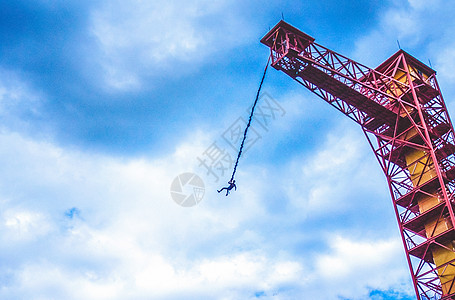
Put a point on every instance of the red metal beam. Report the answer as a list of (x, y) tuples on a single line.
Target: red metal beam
[(404, 118)]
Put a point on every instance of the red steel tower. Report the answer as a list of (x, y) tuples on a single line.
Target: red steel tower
[(400, 109)]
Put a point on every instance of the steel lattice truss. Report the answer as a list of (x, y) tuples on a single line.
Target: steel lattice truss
[(402, 113)]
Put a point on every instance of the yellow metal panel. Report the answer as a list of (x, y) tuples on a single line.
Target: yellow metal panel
[(410, 134), (420, 166), (448, 287), (427, 202), (437, 226), (401, 76), (412, 155), (421, 170), (417, 73), (446, 273)]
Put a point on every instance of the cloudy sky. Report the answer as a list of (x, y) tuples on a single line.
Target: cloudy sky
[(103, 104)]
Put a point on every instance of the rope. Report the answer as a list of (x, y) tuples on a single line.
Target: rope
[(249, 121)]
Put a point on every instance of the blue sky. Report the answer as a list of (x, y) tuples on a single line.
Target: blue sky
[(104, 103)]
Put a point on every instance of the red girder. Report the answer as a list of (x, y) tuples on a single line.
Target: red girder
[(404, 118)]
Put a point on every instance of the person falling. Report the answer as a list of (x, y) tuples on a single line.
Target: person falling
[(229, 188)]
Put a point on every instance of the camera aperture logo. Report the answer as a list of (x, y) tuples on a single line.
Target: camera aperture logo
[(187, 189)]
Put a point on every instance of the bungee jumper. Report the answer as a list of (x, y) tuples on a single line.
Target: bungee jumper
[(229, 188), (232, 181)]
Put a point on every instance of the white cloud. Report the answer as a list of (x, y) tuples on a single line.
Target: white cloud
[(129, 240), (17, 99), (47, 281), (140, 38), (423, 28), (150, 276), (351, 269), (347, 256), (324, 181), (23, 225)]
